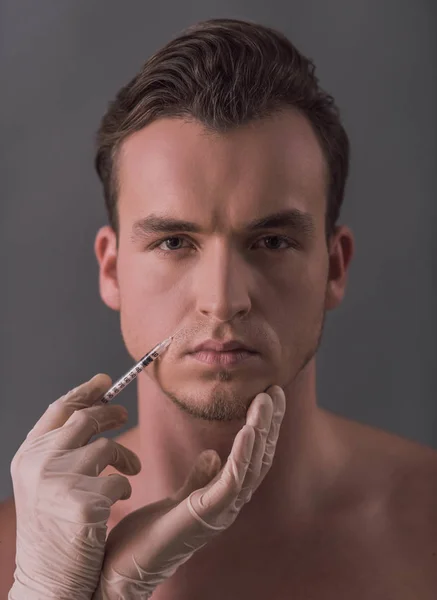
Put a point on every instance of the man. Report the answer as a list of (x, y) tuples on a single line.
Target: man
[(224, 166)]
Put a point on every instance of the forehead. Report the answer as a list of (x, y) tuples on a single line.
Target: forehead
[(178, 167)]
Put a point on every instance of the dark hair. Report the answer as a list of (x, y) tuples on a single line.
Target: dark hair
[(224, 73)]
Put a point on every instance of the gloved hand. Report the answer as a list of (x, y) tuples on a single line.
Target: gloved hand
[(148, 545), (62, 505)]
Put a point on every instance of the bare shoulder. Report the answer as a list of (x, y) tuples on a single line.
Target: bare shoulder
[(412, 475), (7, 546), (410, 469), (403, 461), (403, 470)]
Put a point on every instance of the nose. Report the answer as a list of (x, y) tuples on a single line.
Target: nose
[(222, 286)]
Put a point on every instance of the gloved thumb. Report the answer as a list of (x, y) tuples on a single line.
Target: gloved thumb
[(205, 468)]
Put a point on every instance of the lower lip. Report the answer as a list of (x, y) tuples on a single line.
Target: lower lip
[(222, 358)]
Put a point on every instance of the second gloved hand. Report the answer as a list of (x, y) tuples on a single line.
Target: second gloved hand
[(148, 545)]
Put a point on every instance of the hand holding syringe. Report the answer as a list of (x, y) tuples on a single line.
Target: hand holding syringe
[(61, 502), (63, 505)]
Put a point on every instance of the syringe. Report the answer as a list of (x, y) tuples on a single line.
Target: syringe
[(132, 373)]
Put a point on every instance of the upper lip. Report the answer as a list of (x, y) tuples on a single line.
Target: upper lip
[(222, 346)]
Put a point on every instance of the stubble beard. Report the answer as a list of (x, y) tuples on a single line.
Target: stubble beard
[(224, 404)]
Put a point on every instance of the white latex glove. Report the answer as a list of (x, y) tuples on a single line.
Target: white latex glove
[(62, 505), (148, 545)]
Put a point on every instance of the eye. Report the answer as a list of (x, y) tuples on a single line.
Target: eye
[(290, 244), (168, 250), (281, 238)]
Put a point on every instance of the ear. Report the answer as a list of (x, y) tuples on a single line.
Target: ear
[(105, 248), (341, 250)]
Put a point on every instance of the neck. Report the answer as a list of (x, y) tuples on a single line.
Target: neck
[(168, 440)]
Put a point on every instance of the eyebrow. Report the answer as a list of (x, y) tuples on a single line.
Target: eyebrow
[(293, 219)]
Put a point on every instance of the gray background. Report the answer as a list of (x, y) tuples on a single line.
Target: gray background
[(62, 61)]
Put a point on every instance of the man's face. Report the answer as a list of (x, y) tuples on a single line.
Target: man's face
[(265, 287)]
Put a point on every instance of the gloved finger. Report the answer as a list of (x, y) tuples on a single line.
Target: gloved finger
[(259, 416), (83, 424), (60, 410), (272, 439), (113, 486), (90, 499), (205, 468), (95, 457), (216, 503)]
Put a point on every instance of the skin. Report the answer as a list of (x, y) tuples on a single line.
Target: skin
[(227, 284)]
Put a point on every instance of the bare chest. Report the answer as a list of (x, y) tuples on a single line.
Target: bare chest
[(335, 565), (331, 563)]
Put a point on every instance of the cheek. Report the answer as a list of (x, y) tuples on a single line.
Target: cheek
[(141, 274), (301, 290), (297, 305), (150, 305)]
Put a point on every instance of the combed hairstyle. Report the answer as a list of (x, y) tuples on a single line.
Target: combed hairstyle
[(224, 73)]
